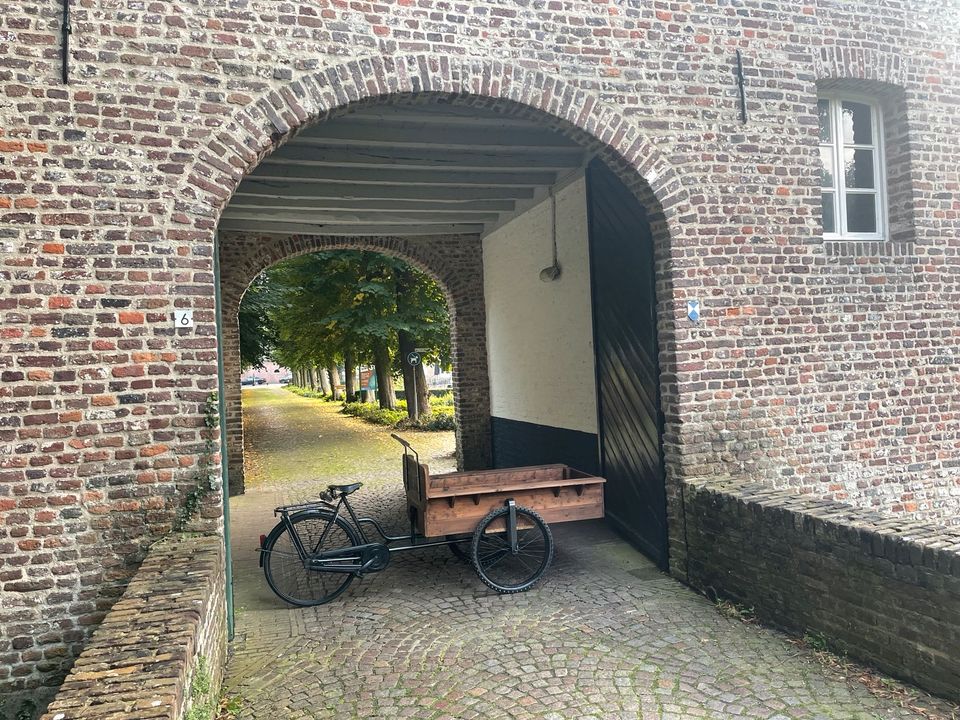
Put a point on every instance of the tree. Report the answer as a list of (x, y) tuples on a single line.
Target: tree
[(354, 307), (257, 334)]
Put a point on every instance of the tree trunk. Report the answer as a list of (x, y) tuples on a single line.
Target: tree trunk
[(312, 378), (324, 383), (423, 392), (381, 364), (334, 380), (413, 378), (349, 368)]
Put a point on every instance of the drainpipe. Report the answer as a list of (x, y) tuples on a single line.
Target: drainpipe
[(224, 470)]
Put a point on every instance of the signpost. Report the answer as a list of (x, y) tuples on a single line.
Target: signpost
[(414, 359)]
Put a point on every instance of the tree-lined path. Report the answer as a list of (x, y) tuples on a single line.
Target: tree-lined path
[(604, 636)]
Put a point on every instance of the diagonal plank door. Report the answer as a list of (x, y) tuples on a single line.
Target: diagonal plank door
[(628, 375)]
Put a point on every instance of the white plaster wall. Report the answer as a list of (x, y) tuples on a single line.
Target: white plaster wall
[(540, 334)]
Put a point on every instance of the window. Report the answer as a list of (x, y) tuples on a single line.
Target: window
[(852, 180)]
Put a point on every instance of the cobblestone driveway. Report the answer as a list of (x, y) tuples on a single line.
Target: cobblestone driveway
[(605, 635)]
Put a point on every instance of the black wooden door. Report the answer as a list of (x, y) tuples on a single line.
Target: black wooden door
[(628, 375)]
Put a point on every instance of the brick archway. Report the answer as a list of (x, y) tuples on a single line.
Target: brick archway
[(263, 126), (449, 260)]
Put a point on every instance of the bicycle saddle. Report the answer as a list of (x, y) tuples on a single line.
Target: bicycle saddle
[(346, 489)]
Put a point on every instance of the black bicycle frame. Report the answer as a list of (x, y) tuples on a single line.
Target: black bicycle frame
[(306, 554)]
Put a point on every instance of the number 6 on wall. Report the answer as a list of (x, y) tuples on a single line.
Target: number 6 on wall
[(183, 318)]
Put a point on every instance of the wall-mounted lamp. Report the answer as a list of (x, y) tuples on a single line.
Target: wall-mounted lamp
[(549, 274)]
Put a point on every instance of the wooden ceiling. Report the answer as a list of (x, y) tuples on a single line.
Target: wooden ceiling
[(404, 170)]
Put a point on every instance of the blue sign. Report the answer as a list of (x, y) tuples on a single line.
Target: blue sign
[(693, 310)]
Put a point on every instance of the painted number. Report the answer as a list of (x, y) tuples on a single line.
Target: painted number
[(183, 318)]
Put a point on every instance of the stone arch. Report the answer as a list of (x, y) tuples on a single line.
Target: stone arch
[(448, 260), (261, 127)]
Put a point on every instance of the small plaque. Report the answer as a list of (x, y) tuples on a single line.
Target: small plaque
[(693, 310), (183, 318)]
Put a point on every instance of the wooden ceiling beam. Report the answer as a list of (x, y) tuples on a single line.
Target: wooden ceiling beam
[(247, 202), (273, 170), (420, 159), (257, 187), (370, 216), (362, 133), (279, 228)]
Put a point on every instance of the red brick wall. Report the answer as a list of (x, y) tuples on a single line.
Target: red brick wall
[(829, 372)]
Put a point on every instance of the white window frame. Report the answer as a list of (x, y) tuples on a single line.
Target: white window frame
[(840, 190)]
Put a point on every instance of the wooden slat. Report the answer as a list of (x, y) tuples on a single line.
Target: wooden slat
[(243, 202), (274, 227), (464, 516), (397, 132), (276, 168), (387, 158), (507, 486), (254, 187), (371, 216)]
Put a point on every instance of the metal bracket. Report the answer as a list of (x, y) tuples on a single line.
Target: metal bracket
[(743, 92), (512, 525)]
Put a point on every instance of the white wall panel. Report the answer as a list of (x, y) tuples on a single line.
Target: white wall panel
[(540, 334)]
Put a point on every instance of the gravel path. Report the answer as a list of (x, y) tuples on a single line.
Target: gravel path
[(605, 635)]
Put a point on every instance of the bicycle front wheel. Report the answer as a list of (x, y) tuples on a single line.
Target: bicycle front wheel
[(497, 564), (286, 571)]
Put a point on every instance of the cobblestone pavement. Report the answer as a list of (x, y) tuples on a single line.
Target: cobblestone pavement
[(605, 635)]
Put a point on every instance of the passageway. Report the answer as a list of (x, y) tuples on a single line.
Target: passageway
[(605, 635)]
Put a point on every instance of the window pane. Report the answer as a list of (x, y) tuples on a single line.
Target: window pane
[(861, 213), (858, 168), (829, 216), (823, 111), (826, 173), (857, 128)]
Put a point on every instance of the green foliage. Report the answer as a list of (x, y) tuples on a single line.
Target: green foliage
[(439, 418), (257, 333), (442, 400), (308, 393), (373, 413), (309, 311), (816, 641), (206, 478), (202, 705)]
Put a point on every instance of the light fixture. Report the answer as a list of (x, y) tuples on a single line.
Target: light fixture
[(549, 274)]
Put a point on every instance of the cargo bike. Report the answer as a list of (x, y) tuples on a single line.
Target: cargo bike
[(496, 519)]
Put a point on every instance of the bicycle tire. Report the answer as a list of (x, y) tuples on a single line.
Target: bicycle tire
[(284, 569), (491, 548)]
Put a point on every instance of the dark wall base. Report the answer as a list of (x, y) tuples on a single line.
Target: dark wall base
[(518, 443)]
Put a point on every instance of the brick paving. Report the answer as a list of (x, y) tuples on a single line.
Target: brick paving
[(605, 635)]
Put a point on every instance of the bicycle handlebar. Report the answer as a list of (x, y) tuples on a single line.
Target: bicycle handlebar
[(401, 441)]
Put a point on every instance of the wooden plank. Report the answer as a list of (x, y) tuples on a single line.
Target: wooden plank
[(254, 187), (243, 201), (508, 485), (463, 517), (520, 477), (275, 168), (424, 132), (437, 114), (393, 158), (274, 227), (371, 216)]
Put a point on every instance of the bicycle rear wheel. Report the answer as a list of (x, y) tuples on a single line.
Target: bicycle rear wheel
[(285, 570)]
